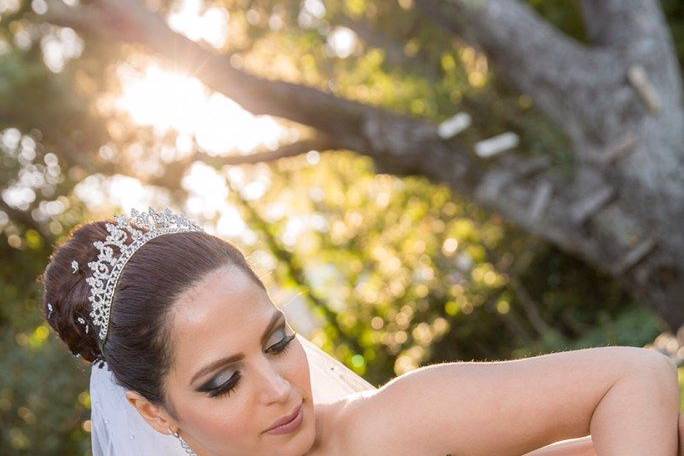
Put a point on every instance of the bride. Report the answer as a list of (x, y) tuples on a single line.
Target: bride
[(190, 356)]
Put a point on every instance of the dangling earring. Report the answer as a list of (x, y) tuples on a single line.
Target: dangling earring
[(183, 443)]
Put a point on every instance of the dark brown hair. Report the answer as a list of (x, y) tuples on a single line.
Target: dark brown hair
[(138, 348)]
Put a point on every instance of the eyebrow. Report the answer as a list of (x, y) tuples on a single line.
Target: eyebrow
[(275, 318)]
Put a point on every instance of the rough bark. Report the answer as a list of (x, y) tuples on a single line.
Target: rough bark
[(618, 100)]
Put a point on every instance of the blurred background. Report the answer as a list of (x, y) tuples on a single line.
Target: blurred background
[(414, 181)]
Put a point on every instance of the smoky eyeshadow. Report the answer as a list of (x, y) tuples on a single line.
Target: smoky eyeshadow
[(212, 385)]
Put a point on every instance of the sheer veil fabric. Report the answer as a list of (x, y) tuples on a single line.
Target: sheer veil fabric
[(118, 429)]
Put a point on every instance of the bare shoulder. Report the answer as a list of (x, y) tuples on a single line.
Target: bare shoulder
[(334, 419), (456, 408), (383, 422)]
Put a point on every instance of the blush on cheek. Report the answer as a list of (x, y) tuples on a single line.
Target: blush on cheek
[(220, 423)]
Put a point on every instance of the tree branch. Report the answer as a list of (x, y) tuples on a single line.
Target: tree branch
[(174, 171), (405, 145), (397, 143), (320, 143), (637, 31), (533, 55), (129, 21), (623, 24)]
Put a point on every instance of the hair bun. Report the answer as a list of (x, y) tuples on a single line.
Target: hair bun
[(65, 290), (139, 337)]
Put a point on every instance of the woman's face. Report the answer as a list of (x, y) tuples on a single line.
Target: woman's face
[(224, 407)]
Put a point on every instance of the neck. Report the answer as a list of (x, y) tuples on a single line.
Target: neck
[(325, 419), (317, 446)]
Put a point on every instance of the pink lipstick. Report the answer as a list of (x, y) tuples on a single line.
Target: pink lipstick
[(289, 424)]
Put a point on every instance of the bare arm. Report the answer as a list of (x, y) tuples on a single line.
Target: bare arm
[(573, 447), (585, 447), (627, 398)]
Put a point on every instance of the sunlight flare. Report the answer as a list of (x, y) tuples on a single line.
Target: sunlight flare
[(167, 100)]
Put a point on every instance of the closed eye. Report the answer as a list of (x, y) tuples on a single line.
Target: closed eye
[(282, 345), (230, 385)]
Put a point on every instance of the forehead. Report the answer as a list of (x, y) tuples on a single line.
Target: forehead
[(219, 316)]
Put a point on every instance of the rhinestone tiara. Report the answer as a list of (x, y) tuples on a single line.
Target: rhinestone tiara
[(107, 269)]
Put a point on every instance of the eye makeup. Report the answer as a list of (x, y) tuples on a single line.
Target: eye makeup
[(223, 383), (276, 318)]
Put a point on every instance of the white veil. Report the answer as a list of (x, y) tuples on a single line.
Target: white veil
[(118, 429)]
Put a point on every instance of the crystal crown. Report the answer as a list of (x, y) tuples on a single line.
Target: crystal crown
[(107, 269)]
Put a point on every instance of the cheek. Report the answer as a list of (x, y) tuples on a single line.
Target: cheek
[(223, 419), (298, 370)]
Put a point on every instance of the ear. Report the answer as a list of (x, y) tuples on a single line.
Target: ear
[(155, 415)]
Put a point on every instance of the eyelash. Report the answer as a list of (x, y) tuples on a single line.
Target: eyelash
[(231, 385)]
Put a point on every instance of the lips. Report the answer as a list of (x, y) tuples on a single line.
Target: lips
[(285, 419)]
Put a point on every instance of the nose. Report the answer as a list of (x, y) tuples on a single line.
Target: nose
[(274, 387)]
